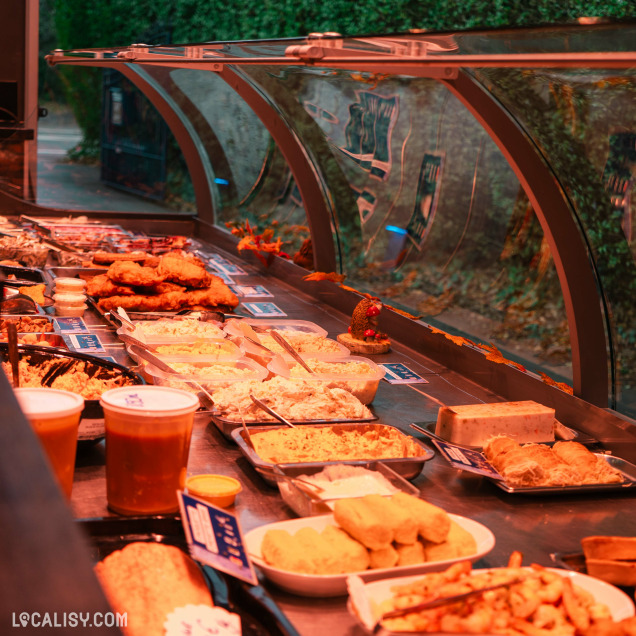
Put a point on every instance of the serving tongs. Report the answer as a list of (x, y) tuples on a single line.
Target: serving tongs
[(272, 412), (439, 602), (141, 349), (290, 350), (18, 304)]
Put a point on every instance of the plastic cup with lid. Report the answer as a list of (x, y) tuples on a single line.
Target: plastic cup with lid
[(148, 431), (54, 416)]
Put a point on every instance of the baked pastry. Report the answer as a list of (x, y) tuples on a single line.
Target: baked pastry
[(147, 581), (432, 522)]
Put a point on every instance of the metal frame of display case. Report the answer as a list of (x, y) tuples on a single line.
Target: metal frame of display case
[(416, 57)]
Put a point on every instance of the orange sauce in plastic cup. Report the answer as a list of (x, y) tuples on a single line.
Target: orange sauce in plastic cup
[(54, 415), (148, 431)]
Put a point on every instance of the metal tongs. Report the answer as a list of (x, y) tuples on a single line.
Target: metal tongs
[(271, 411), (439, 602), (14, 356), (290, 350)]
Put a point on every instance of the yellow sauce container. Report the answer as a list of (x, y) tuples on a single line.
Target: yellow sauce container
[(218, 490)]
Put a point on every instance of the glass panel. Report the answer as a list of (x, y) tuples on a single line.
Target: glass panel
[(248, 174), (585, 124), (430, 216)]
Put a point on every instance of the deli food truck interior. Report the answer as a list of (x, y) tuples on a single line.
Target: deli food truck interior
[(457, 206)]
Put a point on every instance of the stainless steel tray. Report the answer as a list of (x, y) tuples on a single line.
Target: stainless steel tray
[(23, 275), (76, 272), (628, 470), (227, 426), (407, 467)]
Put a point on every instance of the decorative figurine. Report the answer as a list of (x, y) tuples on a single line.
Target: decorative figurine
[(363, 335)]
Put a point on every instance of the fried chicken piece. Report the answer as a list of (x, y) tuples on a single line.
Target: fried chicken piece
[(107, 258), (183, 271), (170, 301), (218, 293), (101, 287), (131, 273), (163, 288)]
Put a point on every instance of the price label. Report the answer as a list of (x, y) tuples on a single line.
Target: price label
[(250, 291), (69, 325), (398, 373), (214, 537), (84, 342), (467, 459), (264, 310)]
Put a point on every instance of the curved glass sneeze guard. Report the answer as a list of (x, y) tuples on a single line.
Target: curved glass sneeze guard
[(427, 210)]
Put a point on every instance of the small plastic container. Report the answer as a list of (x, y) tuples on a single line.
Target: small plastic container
[(69, 299), (74, 311), (218, 490), (184, 331), (66, 285), (341, 374), (302, 326), (248, 370), (209, 349)]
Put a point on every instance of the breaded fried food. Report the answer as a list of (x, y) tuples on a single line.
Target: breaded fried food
[(106, 258), (215, 295), (383, 558), (131, 273), (162, 288), (101, 287), (170, 301), (36, 292), (308, 551), (183, 271), (432, 522), (147, 581), (364, 522), (410, 554), (459, 543)]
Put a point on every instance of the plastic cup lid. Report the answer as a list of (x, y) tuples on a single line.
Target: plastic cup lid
[(150, 399), (48, 403)]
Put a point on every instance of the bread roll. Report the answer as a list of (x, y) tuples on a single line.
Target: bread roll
[(432, 522), (147, 581)]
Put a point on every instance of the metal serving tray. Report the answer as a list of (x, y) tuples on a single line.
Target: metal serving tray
[(41, 318), (23, 275), (227, 426), (622, 465), (407, 467), (76, 272), (260, 616)]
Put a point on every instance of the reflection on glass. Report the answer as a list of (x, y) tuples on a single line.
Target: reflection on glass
[(585, 123), (430, 216)]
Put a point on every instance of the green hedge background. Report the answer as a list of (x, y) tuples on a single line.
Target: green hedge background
[(69, 24)]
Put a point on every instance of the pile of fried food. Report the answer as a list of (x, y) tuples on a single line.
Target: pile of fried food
[(78, 376), (373, 532), (27, 324), (538, 602), (564, 464), (327, 444), (174, 281)]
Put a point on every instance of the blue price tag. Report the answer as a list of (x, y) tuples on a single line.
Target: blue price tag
[(228, 268), (264, 310), (70, 325), (398, 373), (467, 459), (214, 537), (223, 276), (250, 291), (84, 342)]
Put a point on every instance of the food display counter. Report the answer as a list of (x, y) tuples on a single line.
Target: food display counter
[(545, 525)]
